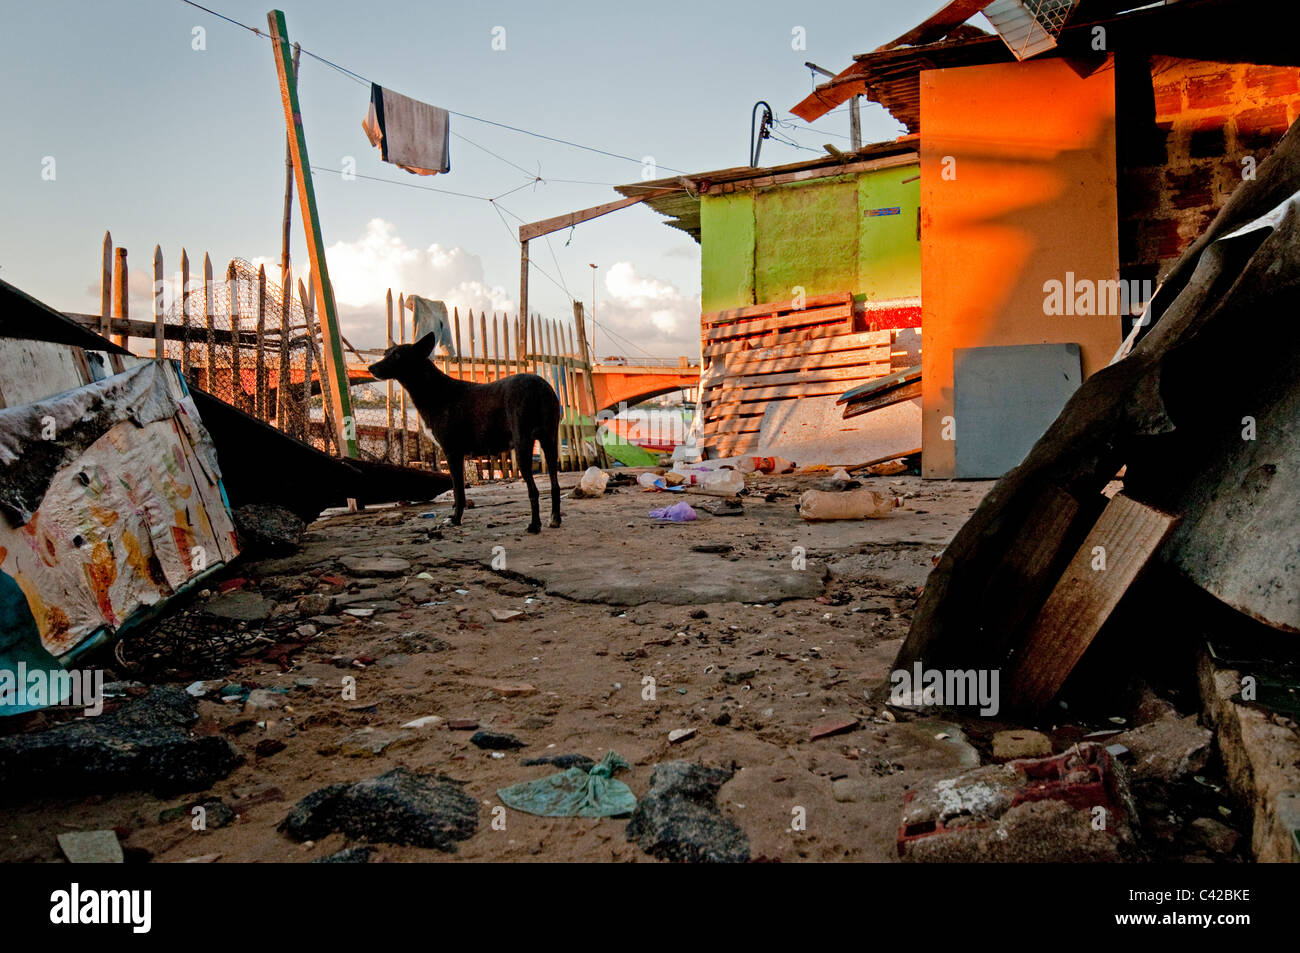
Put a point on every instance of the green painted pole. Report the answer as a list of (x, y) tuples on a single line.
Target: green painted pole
[(335, 372)]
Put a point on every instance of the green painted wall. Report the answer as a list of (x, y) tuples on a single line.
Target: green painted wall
[(758, 246), (727, 251)]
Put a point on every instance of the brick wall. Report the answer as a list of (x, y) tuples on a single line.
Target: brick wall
[(1208, 118)]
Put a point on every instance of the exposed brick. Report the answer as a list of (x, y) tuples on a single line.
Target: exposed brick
[(1192, 188), (1273, 81), (1161, 239), (1169, 99), (1265, 119), (1210, 92)]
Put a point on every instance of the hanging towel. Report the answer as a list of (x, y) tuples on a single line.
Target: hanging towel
[(409, 133), (431, 317)]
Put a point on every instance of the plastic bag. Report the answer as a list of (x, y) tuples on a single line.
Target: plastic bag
[(679, 512), (575, 792), (594, 481)]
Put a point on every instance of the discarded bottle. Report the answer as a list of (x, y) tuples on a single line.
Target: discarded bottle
[(594, 481), (816, 505), (718, 483), (765, 465)]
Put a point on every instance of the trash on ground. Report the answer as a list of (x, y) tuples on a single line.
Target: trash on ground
[(817, 505), (574, 792), (680, 512)]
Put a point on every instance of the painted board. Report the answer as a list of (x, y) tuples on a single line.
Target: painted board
[(1005, 399), (813, 431)]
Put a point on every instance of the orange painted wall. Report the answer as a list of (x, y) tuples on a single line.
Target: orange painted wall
[(1031, 195)]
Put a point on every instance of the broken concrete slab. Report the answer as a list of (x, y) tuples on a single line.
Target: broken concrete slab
[(398, 807), (143, 745), (1167, 750), (91, 847), (375, 565), (678, 818), (239, 606)]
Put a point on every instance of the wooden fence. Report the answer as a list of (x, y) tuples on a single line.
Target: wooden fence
[(256, 345)]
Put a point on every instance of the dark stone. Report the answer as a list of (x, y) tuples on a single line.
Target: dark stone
[(738, 678), (496, 741), (562, 761), (678, 818), (144, 745), (267, 530), (399, 807), (348, 855)]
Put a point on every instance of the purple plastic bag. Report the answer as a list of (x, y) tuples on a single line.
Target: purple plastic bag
[(680, 512)]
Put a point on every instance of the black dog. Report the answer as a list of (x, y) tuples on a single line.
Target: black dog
[(480, 419)]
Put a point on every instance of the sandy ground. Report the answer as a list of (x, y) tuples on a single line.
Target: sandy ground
[(741, 646)]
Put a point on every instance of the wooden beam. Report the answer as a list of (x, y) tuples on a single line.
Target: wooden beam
[(548, 225), (1112, 556), (106, 286), (336, 392)]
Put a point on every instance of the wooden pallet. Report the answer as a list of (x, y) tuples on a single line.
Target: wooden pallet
[(776, 352)]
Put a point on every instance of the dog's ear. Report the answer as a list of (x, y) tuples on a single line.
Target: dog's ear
[(424, 347)]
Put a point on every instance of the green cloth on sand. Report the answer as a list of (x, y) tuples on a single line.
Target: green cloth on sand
[(575, 792)]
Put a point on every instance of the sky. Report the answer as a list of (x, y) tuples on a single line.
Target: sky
[(164, 124)]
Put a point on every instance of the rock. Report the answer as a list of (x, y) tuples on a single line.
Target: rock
[(306, 684), (462, 724), (678, 735), (1213, 835), (239, 606), (1167, 750), (678, 818), (91, 847), (348, 855), (505, 615), (371, 742), (143, 745), (399, 807), (375, 565), (738, 678), (216, 813), (315, 603), (496, 741), (1020, 743), (721, 506), (205, 688), (265, 529)]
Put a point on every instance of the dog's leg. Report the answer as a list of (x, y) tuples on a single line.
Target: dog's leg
[(524, 450), (456, 463), (551, 452)]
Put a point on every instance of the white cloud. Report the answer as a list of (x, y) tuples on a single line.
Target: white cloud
[(363, 270), (651, 313)]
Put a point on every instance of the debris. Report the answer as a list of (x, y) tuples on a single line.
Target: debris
[(722, 506), (678, 735), (314, 604), (678, 818), (428, 721), (652, 481), (462, 724), (513, 689), (592, 484), (1167, 750), (265, 698), (266, 529), (91, 847), (575, 792), (679, 512), (399, 807), (561, 761), (496, 741), (1213, 835), (144, 745), (505, 615), (816, 505), (1027, 810), (835, 727), (719, 548), (372, 742), (360, 854), (1020, 743), (239, 606)]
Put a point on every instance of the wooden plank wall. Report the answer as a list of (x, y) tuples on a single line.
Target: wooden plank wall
[(780, 351)]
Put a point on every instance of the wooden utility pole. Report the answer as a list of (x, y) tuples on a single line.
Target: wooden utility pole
[(855, 124), (106, 288), (121, 298), (523, 298), (579, 325), (335, 377), (288, 196)]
